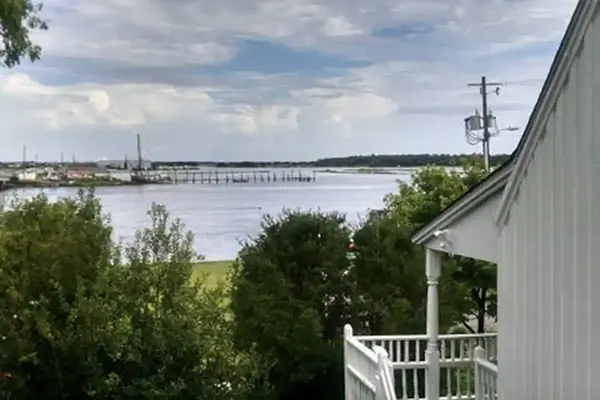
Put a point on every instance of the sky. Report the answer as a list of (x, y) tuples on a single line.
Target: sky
[(274, 79)]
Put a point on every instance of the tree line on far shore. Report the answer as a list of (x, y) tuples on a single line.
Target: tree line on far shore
[(87, 318), (357, 161)]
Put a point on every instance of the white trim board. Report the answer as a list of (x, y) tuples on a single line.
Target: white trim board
[(468, 202)]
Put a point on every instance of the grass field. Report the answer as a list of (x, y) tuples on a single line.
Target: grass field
[(216, 271)]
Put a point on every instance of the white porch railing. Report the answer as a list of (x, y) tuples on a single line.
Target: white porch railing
[(458, 379), (369, 373), (486, 377)]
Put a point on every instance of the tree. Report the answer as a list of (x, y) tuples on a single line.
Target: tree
[(389, 280), (18, 19), (432, 190), (84, 318), (289, 297)]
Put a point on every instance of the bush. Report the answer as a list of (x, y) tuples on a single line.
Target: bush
[(78, 322), (290, 301)]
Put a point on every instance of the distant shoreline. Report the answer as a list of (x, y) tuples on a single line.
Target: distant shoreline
[(357, 161), (75, 184), (364, 171)]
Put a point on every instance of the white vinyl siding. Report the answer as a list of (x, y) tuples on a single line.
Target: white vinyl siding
[(549, 311)]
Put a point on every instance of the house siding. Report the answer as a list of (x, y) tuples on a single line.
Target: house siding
[(549, 302)]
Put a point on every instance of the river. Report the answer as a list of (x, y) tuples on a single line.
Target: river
[(222, 215)]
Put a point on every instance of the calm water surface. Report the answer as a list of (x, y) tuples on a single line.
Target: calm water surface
[(222, 215)]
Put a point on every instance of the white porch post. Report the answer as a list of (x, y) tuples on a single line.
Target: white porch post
[(433, 270)]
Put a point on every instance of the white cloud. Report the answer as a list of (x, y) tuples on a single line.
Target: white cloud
[(119, 105), (124, 65), (340, 26)]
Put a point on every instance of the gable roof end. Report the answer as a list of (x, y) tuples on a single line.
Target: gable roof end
[(472, 199), (572, 40)]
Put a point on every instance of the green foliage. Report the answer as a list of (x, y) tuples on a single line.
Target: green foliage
[(78, 322), (388, 274), (430, 192), (290, 297), (18, 19)]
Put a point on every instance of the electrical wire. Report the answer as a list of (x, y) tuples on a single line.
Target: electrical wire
[(524, 82)]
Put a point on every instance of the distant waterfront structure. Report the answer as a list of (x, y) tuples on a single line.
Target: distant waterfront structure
[(121, 164)]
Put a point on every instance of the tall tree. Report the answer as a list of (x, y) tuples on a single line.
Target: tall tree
[(290, 301), (432, 190), (18, 19), (388, 277)]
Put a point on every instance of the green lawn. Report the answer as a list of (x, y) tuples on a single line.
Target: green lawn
[(216, 271)]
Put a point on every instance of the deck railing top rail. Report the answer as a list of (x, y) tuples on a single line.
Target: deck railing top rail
[(460, 336)]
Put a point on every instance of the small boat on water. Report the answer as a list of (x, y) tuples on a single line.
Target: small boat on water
[(240, 180)]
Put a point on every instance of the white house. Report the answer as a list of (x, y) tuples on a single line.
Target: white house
[(538, 218)]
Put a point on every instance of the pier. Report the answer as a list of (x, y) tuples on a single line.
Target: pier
[(216, 177)]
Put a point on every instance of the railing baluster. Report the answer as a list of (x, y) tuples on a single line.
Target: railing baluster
[(443, 350), (459, 372), (469, 383), (415, 372), (405, 359)]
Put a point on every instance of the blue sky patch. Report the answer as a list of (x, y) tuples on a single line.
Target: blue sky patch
[(267, 57), (404, 30), (537, 49)]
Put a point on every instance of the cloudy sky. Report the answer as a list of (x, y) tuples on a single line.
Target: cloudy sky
[(274, 79)]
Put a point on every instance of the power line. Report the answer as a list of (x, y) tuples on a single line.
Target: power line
[(524, 82)]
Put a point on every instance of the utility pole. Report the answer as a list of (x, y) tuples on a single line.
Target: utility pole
[(485, 140), (139, 152)]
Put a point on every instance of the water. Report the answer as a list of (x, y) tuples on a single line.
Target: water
[(222, 215)]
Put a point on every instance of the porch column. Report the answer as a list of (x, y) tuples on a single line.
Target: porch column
[(432, 356)]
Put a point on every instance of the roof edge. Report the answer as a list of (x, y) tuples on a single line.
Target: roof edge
[(582, 16), (470, 200)]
